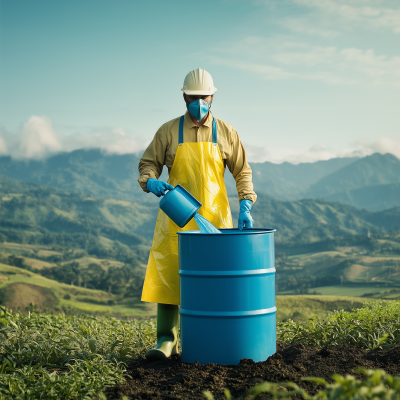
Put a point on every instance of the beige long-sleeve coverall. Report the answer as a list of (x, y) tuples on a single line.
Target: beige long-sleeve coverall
[(162, 150)]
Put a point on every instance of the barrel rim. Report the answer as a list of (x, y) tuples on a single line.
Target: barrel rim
[(250, 231)]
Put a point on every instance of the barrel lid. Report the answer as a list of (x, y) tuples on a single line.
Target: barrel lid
[(232, 231)]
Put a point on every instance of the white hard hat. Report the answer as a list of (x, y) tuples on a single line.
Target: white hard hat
[(199, 81)]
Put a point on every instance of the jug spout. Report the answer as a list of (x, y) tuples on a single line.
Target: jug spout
[(180, 205)]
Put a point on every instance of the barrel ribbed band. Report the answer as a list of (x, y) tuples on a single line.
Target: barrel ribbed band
[(227, 314), (228, 273)]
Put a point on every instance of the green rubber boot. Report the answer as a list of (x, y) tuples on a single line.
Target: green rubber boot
[(167, 332)]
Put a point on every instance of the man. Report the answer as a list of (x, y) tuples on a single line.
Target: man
[(196, 148)]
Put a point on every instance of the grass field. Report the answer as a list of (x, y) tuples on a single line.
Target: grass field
[(69, 357)]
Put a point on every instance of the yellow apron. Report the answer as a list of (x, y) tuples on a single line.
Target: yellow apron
[(199, 168)]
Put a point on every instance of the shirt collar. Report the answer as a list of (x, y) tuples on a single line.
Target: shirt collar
[(189, 123)]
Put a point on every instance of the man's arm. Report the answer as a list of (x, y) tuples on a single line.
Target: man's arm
[(152, 161), (241, 170)]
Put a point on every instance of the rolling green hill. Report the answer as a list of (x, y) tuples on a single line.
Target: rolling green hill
[(43, 214), (71, 237), (104, 243), (22, 289)]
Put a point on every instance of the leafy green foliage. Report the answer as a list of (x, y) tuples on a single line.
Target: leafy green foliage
[(95, 277), (81, 380), (375, 325), (66, 357), (377, 385)]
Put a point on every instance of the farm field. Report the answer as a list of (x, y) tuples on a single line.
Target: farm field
[(368, 291), (49, 295), (301, 307), (347, 266), (70, 357)]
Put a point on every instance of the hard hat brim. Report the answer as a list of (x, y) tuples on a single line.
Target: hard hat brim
[(199, 92)]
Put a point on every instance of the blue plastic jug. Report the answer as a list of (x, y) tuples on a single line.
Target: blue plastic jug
[(180, 205), (227, 286)]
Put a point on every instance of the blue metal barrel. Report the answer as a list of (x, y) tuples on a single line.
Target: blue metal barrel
[(227, 295)]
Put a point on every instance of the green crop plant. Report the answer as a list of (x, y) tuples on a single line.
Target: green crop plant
[(66, 357), (44, 356), (377, 385), (375, 325)]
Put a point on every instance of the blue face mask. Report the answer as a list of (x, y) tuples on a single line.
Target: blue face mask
[(198, 108)]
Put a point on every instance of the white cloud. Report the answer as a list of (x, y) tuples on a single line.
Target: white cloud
[(367, 147), (295, 156), (360, 148), (351, 63), (330, 17), (294, 60), (38, 140), (3, 147), (256, 153), (114, 141), (299, 26), (266, 71)]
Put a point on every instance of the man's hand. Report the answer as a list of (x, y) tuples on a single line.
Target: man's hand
[(158, 187), (245, 219)]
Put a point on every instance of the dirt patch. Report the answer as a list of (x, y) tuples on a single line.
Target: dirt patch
[(173, 379), (21, 295)]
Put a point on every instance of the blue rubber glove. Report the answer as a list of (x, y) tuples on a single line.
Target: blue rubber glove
[(158, 187), (245, 219)]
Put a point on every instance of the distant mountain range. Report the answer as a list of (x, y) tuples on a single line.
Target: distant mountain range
[(86, 171), (372, 182), (371, 171), (39, 215), (288, 181)]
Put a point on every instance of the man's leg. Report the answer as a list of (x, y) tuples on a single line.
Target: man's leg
[(167, 332)]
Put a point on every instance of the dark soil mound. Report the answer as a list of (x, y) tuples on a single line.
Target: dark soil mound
[(173, 379)]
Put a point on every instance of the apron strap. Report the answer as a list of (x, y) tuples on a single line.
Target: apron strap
[(215, 141), (214, 128), (181, 130)]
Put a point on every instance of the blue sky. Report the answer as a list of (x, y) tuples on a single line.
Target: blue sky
[(300, 80)]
